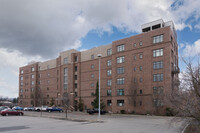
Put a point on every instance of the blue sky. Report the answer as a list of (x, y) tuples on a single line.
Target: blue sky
[(39, 30)]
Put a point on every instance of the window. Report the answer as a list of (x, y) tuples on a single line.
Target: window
[(75, 68), (158, 77), (109, 72), (109, 51), (47, 96), (32, 82), (140, 56), (92, 94), (48, 66), (65, 60), (157, 52), (21, 90), (75, 58), (92, 66), (32, 69), (120, 70), (32, 76), (75, 85), (39, 75), (109, 82), (141, 43), (48, 74), (92, 76), (141, 79), (92, 85), (48, 88), (120, 59), (22, 72), (157, 90), (92, 56), (158, 39), (65, 78), (109, 62), (134, 45), (109, 92), (140, 68), (21, 78), (157, 65), (75, 77), (140, 91), (32, 89), (48, 81), (120, 102), (157, 103), (120, 81), (134, 57), (120, 48), (134, 68), (120, 92), (109, 102)]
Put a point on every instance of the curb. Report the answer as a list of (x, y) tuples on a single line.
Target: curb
[(183, 131), (69, 119)]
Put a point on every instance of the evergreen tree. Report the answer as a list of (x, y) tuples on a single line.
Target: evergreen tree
[(95, 103)]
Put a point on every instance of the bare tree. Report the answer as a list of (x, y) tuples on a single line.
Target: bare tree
[(65, 102), (185, 99)]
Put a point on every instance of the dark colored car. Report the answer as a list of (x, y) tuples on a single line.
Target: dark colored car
[(51, 109), (11, 112), (95, 110)]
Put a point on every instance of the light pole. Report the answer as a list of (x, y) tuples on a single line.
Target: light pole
[(99, 56)]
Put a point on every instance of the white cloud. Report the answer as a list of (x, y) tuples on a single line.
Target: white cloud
[(49, 26), (197, 26), (182, 45), (192, 50), (10, 61)]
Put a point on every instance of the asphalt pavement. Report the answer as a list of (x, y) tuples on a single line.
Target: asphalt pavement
[(83, 123)]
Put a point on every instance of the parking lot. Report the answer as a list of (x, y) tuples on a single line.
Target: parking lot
[(84, 123)]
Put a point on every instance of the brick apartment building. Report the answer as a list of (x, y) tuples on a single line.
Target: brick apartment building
[(136, 72)]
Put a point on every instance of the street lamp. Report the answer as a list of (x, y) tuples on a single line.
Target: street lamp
[(99, 56)]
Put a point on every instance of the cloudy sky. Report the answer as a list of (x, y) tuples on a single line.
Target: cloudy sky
[(37, 30)]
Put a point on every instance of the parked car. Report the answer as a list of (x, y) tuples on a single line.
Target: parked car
[(95, 110), (37, 108), (4, 107), (43, 108), (11, 112), (17, 108), (51, 109), (29, 109)]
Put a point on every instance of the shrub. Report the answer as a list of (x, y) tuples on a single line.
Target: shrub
[(122, 111), (169, 112)]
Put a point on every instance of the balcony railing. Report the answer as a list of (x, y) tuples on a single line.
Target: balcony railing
[(175, 70)]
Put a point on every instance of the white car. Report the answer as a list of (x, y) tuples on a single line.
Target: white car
[(25, 108), (42, 108), (37, 108)]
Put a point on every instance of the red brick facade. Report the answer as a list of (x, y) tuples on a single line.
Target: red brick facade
[(139, 93)]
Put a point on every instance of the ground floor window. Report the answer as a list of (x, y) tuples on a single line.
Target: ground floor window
[(120, 102), (109, 102)]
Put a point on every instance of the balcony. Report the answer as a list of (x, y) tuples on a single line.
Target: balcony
[(175, 70)]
